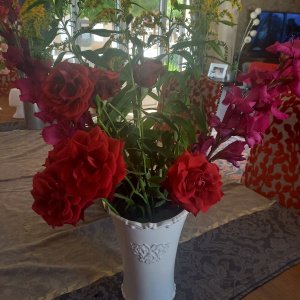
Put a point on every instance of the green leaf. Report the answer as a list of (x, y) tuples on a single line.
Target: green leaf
[(160, 117), (134, 3), (122, 101), (153, 95), (176, 106), (92, 57), (59, 57), (148, 123), (60, 8), (187, 127), (161, 56), (129, 18), (105, 203), (229, 23), (135, 173), (103, 60), (128, 200), (186, 55), (125, 74), (199, 117), (214, 45), (160, 203), (137, 42), (100, 32), (36, 3), (155, 181), (187, 44), (153, 37), (179, 6), (142, 208), (50, 35)]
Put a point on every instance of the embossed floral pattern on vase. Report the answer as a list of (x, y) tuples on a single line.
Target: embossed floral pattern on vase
[(149, 253)]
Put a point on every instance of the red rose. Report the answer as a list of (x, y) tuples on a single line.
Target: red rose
[(80, 170), (194, 183), (53, 202), (146, 73), (66, 93), (107, 83)]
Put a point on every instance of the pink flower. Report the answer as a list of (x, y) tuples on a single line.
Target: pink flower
[(36, 72), (235, 96), (55, 133), (254, 128), (31, 86), (232, 153), (235, 123), (203, 144), (264, 93), (290, 48), (294, 85), (232, 123), (13, 56)]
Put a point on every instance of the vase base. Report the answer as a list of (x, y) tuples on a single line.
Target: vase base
[(151, 296)]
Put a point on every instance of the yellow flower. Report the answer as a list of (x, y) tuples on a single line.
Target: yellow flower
[(34, 20)]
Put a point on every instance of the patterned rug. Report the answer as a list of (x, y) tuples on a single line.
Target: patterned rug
[(225, 263)]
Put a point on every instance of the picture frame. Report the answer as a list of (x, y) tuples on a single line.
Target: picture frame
[(217, 70)]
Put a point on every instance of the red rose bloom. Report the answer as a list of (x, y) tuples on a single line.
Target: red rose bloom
[(66, 93), (87, 166), (52, 201), (194, 183), (107, 83), (146, 73)]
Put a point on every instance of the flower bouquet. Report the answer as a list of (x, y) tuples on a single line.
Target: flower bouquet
[(144, 165), (108, 147)]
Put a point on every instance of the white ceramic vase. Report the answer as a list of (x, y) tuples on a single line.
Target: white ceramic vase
[(148, 255)]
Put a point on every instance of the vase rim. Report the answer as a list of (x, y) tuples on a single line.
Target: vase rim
[(150, 225)]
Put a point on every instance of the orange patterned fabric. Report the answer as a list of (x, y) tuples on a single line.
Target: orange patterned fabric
[(204, 93), (273, 167)]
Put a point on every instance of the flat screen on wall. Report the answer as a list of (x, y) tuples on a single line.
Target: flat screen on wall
[(275, 26)]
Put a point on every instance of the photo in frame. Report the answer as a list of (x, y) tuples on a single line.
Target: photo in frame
[(217, 70)]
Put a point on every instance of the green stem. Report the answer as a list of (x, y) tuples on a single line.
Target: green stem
[(111, 122), (116, 110), (137, 113), (99, 121), (71, 44), (106, 202)]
